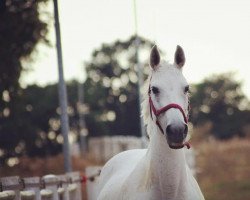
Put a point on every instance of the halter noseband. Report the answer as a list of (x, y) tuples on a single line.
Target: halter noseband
[(165, 109)]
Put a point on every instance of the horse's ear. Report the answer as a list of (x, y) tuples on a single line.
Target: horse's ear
[(154, 57), (179, 57)]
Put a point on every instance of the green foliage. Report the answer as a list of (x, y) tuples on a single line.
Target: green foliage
[(219, 100), (36, 125), (20, 30), (111, 89)]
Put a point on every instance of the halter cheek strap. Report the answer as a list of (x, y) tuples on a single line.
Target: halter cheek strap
[(164, 109)]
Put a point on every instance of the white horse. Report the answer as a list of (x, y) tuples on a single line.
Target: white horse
[(159, 172)]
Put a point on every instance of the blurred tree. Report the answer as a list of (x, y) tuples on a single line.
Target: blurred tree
[(219, 100), (21, 28), (41, 122), (38, 121), (111, 88), (30, 124)]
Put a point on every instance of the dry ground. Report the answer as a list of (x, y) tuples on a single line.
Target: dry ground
[(28, 167), (224, 169)]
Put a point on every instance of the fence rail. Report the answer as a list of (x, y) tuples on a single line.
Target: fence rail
[(49, 187)]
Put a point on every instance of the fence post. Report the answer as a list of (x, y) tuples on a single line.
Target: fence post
[(7, 195), (46, 194), (51, 182), (28, 195), (64, 182), (92, 184), (62, 187), (75, 188), (32, 184), (12, 183)]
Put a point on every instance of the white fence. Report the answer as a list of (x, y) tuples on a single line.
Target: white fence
[(92, 184), (104, 148), (49, 187)]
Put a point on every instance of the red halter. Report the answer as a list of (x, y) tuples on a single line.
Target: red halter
[(164, 109)]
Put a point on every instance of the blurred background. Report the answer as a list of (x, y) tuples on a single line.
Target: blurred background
[(105, 47)]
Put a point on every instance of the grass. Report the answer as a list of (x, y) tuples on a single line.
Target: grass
[(224, 169)]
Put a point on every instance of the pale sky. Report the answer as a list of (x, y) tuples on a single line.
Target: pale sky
[(215, 35)]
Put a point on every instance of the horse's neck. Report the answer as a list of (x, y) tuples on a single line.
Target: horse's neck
[(168, 167)]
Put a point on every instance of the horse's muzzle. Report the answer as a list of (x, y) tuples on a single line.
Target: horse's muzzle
[(176, 135)]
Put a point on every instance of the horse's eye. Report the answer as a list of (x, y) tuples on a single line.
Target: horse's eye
[(186, 89), (155, 90)]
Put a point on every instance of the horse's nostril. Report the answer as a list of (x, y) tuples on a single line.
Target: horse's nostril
[(168, 129), (176, 133), (186, 129), (171, 131), (177, 129)]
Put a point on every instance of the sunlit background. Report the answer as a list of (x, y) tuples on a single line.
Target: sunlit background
[(99, 55), (214, 35)]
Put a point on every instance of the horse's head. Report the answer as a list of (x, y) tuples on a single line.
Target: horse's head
[(168, 97)]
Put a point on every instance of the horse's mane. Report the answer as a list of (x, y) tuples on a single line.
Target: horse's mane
[(145, 114)]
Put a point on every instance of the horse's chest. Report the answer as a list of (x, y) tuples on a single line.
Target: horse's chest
[(134, 190)]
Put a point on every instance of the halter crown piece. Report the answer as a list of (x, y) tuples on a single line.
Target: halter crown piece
[(164, 109)]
